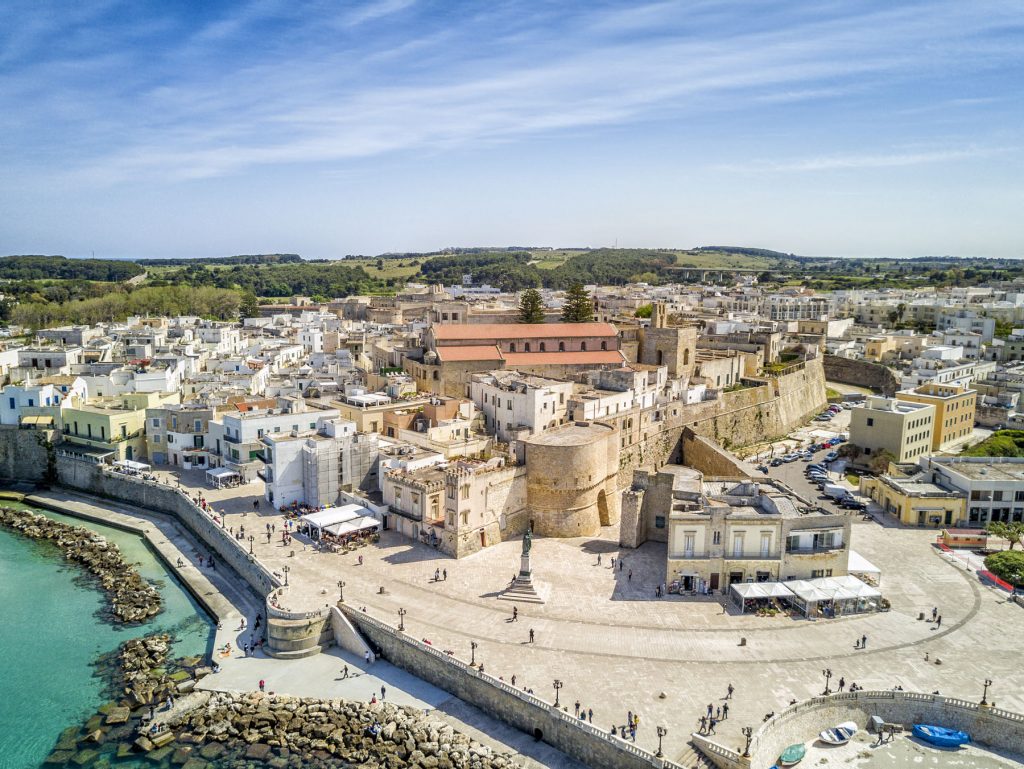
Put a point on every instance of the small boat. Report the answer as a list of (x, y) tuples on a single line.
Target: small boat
[(792, 755), (839, 735), (941, 736)]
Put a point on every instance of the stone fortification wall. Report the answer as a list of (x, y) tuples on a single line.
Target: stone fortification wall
[(862, 373), (526, 712), (23, 453), (150, 495), (996, 728), (708, 457), (765, 409), (571, 483)]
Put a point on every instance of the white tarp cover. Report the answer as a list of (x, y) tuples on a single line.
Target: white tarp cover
[(806, 590), (861, 565), (131, 465), (751, 590), (354, 525), (220, 473), (853, 585), (332, 515)]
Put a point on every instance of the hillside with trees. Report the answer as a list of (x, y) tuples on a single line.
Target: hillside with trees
[(62, 268)]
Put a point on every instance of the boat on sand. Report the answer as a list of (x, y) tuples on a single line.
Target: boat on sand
[(839, 735)]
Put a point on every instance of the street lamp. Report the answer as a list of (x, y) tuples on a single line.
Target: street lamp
[(827, 672), (401, 620), (984, 696), (662, 731), (286, 568), (472, 653), (251, 539), (341, 591), (558, 685), (748, 732)]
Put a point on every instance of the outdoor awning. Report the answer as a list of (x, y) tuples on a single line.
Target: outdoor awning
[(37, 420), (861, 565), (361, 523), (333, 515), (751, 590), (132, 465), (220, 473)]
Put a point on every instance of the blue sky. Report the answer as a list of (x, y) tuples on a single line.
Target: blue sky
[(327, 128)]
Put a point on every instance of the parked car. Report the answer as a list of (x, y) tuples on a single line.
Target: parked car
[(775, 462), (763, 469), (832, 456), (823, 418), (835, 491), (792, 457), (852, 504), (840, 439)]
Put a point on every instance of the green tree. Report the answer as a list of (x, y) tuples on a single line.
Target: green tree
[(1008, 565), (531, 308), (644, 311), (1012, 532), (577, 308), (249, 307)]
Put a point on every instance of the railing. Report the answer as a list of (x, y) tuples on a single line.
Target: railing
[(813, 550), (532, 699), (273, 610)]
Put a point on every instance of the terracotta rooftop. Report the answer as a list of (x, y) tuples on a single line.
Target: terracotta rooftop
[(484, 331), (468, 352), (563, 358)]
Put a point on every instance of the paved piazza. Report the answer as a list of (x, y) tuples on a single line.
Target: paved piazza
[(619, 648)]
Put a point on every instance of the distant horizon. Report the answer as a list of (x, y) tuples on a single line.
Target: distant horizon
[(187, 130)]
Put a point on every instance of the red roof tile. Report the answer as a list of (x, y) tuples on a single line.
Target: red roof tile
[(458, 354), (465, 331), (595, 357)]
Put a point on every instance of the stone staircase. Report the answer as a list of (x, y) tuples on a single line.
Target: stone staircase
[(692, 758)]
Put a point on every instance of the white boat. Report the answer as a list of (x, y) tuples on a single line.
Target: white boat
[(839, 735)]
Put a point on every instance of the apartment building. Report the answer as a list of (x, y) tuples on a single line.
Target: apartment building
[(723, 532), (954, 411), (916, 501), (993, 486), (902, 428), (514, 403), (111, 428)]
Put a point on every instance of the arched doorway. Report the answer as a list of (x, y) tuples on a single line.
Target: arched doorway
[(602, 508)]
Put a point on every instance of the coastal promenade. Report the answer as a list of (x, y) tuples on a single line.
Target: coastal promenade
[(617, 648), (227, 599)]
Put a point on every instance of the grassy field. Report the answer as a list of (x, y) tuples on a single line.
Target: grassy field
[(716, 260), (393, 268)]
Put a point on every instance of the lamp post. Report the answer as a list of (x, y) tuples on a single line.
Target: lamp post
[(472, 653), (827, 672), (286, 568), (662, 731), (984, 695), (401, 620), (558, 685), (341, 591), (251, 540), (748, 732)]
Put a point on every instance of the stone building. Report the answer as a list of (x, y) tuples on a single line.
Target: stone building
[(721, 531), (671, 346)]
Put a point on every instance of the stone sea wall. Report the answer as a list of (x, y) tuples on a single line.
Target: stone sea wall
[(23, 453), (589, 744), (131, 598), (861, 373), (162, 498)]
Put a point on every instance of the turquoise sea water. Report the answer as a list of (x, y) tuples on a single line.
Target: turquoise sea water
[(50, 636)]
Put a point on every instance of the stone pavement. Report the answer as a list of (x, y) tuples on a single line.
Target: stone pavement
[(618, 648)]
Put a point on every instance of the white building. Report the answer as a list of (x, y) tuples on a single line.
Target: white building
[(513, 402)]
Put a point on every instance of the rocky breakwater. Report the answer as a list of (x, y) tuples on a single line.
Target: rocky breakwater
[(131, 598), (244, 730), (142, 679)]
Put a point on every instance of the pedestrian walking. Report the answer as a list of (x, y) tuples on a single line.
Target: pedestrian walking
[(598, 559), (703, 724), (437, 575), (367, 656), (259, 619), (632, 733), (629, 717), (383, 692), (515, 613), (863, 642), (531, 635), (263, 685), (620, 564), (935, 612), (938, 622), (344, 672), (711, 709), (729, 691), (577, 707), (629, 577), (842, 684), (256, 505), (711, 726), (718, 714), (725, 710), (513, 679), (613, 561), (444, 575), (268, 528), (590, 715)]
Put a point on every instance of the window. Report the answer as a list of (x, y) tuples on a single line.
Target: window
[(766, 544), (526, 346), (583, 346), (561, 346), (156, 439), (465, 491), (871, 421), (659, 522), (737, 544), (716, 538), (604, 345), (11, 402), (543, 347), (156, 421), (197, 425), (511, 346), (688, 545), (170, 438)]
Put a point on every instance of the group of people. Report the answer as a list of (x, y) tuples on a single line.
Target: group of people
[(630, 728)]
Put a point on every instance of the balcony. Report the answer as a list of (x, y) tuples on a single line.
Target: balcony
[(763, 555), (814, 550)]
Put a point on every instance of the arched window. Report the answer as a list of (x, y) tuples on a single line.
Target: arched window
[(604, 345), (561, 346), (583, 346), (511, 346), (686, 356), (526, 346), (543, 347)]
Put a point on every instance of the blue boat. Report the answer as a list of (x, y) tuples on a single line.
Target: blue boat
[(941, 736)]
